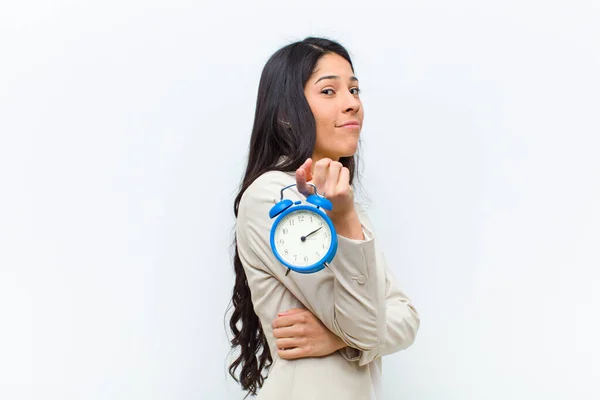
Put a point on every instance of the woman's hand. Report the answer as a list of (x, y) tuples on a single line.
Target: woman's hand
[(300, 334), (333, 179), (330, 177)]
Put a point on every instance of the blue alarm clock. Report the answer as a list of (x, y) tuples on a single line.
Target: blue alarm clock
[(303, 237)]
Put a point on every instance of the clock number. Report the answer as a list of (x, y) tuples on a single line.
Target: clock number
[(285, 252), (306, 258), (318, 255), (324, 247), (295, 257), (325, 234), (281, 241), (291, 222), (284, 231), (300, 218)]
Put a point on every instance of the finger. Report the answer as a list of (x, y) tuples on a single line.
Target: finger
[(343, 183), (289, 320), (291, 311), (320, 173), (289, 332), (289, 343), (333, 176), (292, 354)]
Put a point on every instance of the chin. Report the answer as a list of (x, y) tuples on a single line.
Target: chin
[(350, 150), (345, 149)]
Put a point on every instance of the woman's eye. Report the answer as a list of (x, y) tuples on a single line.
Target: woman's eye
[(327, 91), (355, 90)]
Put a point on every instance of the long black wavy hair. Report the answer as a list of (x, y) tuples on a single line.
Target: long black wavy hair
[(283, 126)]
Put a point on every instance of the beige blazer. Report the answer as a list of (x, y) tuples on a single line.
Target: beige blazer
[(358, 299)]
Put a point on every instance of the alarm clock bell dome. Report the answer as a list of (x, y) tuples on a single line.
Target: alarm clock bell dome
[(280, 207), (319, 201)]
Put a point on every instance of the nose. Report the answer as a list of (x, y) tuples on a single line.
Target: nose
[(351, 103)]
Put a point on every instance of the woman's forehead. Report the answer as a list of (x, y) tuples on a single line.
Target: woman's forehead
[(332, 65)]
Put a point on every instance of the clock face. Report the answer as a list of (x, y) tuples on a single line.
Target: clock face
[(302, 238)]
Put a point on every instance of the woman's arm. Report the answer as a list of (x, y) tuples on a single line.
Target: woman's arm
[(349, 298), (402, 325), (300, 334)]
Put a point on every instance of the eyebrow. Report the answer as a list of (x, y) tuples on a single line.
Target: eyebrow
[(352, 78)]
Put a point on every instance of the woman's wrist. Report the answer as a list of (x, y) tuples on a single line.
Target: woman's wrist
[(348, 225)]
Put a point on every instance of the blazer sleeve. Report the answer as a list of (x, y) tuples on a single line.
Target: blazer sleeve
[(401, 325), (350, 297)]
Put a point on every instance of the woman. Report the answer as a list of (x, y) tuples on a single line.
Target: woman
[(342, 319)]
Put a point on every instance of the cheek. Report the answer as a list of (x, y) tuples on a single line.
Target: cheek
[(324, 113), (325, 125)]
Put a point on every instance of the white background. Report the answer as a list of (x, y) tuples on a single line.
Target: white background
[(123, 133)]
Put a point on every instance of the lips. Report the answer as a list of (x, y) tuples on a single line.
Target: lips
[(349, 124)]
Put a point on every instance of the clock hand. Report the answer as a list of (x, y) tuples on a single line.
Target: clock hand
[(303, 238)]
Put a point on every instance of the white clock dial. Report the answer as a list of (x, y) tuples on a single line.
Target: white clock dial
[(302, 238)]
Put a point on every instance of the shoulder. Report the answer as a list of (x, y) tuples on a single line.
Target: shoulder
[(263, 193), (267, 187), (253, 222), (271, 179)]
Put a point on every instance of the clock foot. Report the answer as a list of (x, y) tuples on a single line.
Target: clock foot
[(287, 272)]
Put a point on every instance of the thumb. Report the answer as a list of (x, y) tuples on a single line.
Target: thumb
[(308, 169), (301, 181), (303, 176)]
